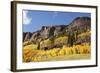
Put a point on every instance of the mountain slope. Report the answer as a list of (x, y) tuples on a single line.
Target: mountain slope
[(77, 32)]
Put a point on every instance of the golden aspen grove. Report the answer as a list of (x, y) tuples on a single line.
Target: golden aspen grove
[(32, 54)]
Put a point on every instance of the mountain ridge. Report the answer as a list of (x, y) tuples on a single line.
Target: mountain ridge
[(79, 24)]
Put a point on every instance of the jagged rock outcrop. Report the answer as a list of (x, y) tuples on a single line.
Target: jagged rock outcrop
[(27, 36), (45, 33)]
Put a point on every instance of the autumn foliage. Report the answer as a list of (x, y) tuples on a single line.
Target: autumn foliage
[(34, 55)]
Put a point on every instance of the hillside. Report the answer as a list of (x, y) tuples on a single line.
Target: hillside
[(59, 40), (76, 28)]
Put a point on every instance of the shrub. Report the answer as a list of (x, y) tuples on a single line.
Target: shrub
[(61, 40), (32, 46)]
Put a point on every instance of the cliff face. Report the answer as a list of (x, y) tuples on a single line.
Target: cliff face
[(79, 24), (45, 33)]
